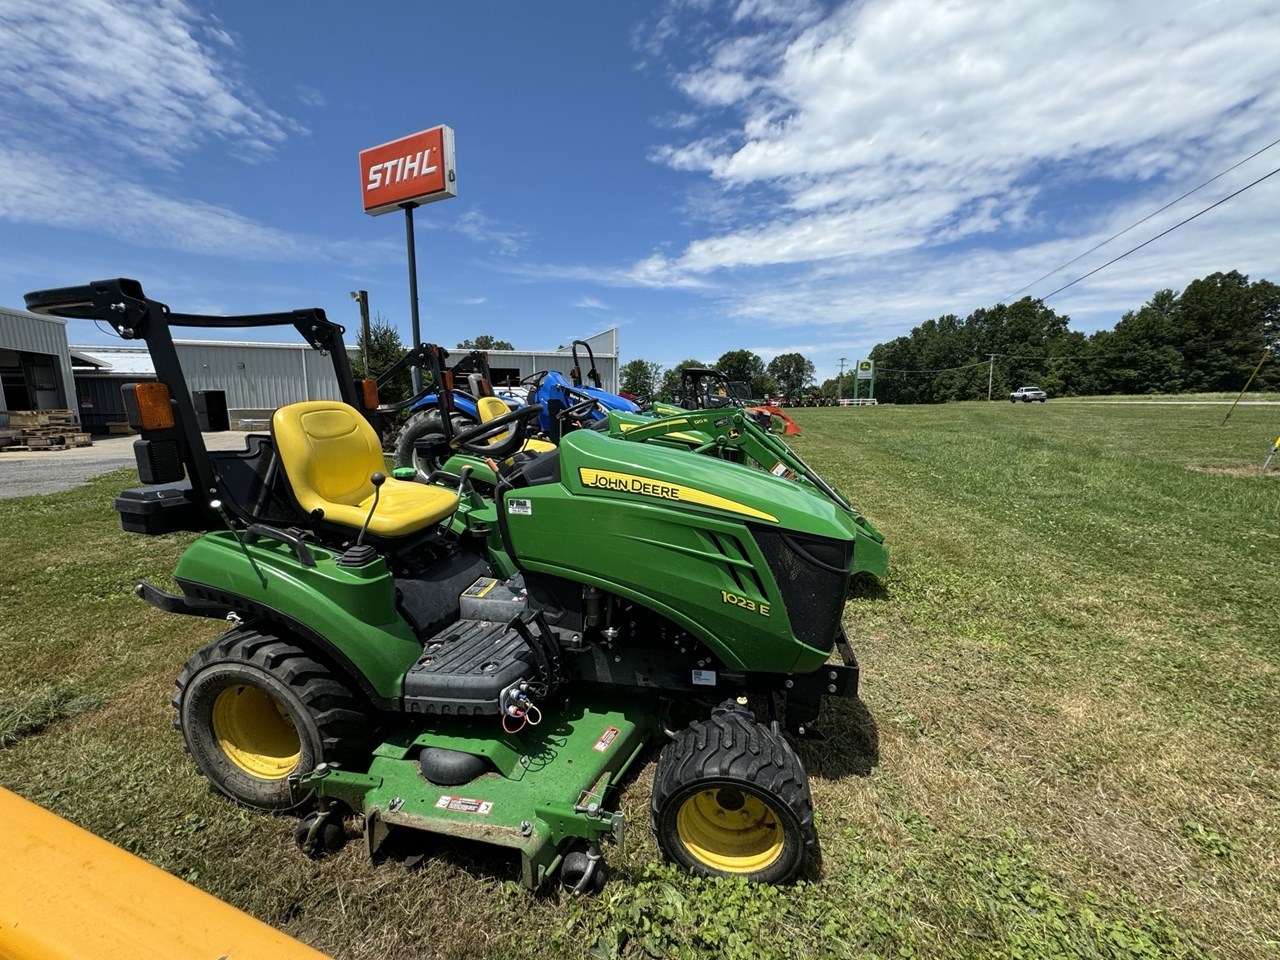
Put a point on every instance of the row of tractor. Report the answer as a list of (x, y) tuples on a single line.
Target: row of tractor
[(484, 644)]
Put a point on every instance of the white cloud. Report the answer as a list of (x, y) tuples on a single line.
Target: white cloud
[(133, 78), (908, 158), (476, 226), (590, 303), (97, 96), (54, 194)]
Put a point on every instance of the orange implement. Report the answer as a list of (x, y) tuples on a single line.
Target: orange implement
[(68, 895), (789, 427)]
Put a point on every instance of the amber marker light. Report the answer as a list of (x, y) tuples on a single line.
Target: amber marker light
[(155, 411)]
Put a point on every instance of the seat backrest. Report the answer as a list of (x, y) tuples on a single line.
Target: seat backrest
[(328, 451), (490, 408)]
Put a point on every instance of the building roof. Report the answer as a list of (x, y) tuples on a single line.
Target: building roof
[(112, 361)]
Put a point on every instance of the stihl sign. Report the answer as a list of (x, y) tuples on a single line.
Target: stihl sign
[(415, 169)]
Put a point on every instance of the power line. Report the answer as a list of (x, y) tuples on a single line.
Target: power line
[(981, 363), (1131, 226), (1162, 233)]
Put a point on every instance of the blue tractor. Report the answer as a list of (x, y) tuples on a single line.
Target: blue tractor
[(567, 404)]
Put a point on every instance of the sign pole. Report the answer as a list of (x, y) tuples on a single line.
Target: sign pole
[(403, 174), (414, 371)]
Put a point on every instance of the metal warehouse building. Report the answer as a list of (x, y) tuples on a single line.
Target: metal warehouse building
[(35, 363), (255, 378)]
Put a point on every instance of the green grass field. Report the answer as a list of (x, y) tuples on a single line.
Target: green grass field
[(1068, 745)]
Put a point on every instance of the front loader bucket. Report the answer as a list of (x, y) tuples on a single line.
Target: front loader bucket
[(789, 427)]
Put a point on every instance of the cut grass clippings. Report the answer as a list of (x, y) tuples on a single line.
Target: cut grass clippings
[(1068, 743)]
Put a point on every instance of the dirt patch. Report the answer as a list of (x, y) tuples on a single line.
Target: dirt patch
[(1251, 471)]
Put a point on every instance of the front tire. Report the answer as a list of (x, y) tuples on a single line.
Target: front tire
[(731, 799), (254, 708)]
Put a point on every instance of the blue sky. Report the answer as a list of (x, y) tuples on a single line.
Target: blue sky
[(770, 174)]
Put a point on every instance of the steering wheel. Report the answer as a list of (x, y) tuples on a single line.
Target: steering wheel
[(472, 440), (534, 379), (583, 410)]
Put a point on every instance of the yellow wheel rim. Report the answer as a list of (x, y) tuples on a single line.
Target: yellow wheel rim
[(730, 830), (255, 732)]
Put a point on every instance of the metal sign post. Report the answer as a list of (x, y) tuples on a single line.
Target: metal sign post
[(404, 174), (415, 372)]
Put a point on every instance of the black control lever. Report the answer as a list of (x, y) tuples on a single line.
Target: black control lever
[(377, 479)]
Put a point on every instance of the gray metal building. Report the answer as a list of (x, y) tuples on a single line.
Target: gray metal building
[(35, 363), (258, 377)]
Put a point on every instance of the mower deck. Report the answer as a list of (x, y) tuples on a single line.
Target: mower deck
[(545, 785)]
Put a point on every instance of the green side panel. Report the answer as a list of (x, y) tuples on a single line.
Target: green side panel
[(527, 803), (697, 565), (481, 472), (870, 555), (353, 608)]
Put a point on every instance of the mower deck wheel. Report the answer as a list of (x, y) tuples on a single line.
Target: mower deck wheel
[(254, 708), (730, 798)]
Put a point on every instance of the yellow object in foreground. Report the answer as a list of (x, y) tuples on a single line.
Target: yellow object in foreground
[(68, 895)]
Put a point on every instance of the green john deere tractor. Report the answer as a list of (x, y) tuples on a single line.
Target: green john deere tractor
[(415, 657), (726, 431)]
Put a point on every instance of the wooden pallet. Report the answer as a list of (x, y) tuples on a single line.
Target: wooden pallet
[(23, 447), (42, 441), (41, 418)]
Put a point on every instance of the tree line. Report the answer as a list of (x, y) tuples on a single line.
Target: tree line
[(787, 373), (1208, 338)]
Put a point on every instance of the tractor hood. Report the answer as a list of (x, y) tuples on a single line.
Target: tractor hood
[(592, 464)]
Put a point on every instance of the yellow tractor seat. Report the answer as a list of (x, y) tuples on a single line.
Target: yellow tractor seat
[(329, 451), (490, 408)]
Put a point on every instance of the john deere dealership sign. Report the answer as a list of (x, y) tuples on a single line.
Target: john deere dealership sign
[(866, 369), (416, 169)]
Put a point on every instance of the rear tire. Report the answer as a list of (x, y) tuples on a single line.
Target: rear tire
[(731, 799), (418, 426), (254, 708)]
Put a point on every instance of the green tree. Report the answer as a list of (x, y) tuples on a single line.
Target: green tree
[(1140, 355), (640, 378), (1221, 326), (792, 372), (749, 368), (485, 342), (384, 349)]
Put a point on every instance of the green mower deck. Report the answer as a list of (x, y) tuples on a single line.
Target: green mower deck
[(547, 784)]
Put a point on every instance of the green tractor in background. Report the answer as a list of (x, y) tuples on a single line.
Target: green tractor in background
[(415, 657)]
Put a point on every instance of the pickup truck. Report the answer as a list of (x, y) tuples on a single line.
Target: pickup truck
[(1027, 394)]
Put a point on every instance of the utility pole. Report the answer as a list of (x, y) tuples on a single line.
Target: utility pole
[(840, 380), (991, 369), (362, 297)]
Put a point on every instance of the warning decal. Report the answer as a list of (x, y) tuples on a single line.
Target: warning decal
[(606, 739), (480, 587), (464, 805)]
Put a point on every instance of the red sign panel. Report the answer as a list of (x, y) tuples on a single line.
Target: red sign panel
[(415, 169)]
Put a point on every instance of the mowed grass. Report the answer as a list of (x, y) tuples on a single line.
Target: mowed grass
[(1068, 743)]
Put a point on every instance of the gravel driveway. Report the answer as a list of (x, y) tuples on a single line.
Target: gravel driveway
[(26, 473)]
